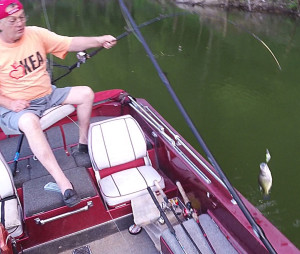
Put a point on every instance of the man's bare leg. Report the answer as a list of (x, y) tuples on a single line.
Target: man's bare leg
[(83, 97), (29, 123)]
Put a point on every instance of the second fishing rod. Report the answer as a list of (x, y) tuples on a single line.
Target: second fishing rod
[(165, 198)]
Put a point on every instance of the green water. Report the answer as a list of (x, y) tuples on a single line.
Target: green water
[(228, 82)]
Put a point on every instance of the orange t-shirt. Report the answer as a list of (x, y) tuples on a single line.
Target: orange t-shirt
[(23, 65)]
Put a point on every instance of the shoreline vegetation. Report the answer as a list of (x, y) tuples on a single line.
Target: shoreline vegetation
[(287, 7)]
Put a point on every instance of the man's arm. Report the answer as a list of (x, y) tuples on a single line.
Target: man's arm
[(13, 105), (83, 43)]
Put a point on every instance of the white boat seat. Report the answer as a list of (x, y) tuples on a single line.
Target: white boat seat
[(115, 142), (10, 207), (49, 117)]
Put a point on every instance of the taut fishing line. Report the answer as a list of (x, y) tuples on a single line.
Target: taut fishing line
[(252, 34), (50, 62), (257, 38)]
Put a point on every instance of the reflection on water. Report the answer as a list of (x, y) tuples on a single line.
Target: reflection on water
[(227, 80)]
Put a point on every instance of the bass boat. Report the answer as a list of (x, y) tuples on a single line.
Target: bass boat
[(143, 189)]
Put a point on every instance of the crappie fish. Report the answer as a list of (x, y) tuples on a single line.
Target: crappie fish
[(265, 179)]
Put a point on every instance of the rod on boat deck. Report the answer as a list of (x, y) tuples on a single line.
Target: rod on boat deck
[(194, 214), (162, 213), (176, 216)]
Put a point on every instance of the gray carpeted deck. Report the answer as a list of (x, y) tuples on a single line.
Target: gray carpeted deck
[(122, 242), (108, 238), (36, 170)]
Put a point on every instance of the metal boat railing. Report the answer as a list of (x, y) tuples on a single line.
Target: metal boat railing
[(179, 141), (146, 113)]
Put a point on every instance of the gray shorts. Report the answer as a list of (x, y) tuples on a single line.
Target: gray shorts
[(11, 119)]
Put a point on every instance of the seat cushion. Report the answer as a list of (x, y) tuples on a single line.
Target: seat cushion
[(49, 117), (125, 185), (54, 114)]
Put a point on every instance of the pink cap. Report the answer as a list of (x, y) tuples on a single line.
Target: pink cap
[(3, 7)]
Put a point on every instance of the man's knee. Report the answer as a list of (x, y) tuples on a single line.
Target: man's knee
[(29, 121), (87, 93), (80, 95)]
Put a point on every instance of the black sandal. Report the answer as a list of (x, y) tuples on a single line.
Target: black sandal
[(71, 197)]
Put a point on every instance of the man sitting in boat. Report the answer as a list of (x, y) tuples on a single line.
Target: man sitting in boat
[(26, 90)]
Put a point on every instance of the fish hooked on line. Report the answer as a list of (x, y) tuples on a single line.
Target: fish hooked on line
[(265, 180)]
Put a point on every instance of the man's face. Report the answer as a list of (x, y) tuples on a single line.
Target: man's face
[(13, 26)]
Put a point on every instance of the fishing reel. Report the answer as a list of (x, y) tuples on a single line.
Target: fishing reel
[(174, 204), (82, 56)]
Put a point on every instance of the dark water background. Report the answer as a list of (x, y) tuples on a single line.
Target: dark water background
[(227, 80)]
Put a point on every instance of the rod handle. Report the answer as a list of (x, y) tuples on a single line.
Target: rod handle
[(161, 191), (182, 192), (172, 230)]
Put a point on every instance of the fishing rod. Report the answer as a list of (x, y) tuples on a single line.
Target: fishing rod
[(83, 56), (256, 228), (193, 213), (165, 198), (170, 227)]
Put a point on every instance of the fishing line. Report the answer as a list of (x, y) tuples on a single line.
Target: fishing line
[(76, 124), (256, 228), (252, 34), (50, 63), (107, 209), (257, 38), (46, 15)]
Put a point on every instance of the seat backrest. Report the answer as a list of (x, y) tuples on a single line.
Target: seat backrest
[(10, 206), (116, 141)]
